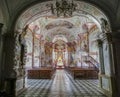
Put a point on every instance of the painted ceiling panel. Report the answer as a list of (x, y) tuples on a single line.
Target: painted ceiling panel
[(42, 10), (15, 6), (49, 28)]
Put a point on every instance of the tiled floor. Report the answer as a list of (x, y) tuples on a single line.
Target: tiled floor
[(63, 85)]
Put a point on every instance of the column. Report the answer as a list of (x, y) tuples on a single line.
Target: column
[(110, 46), (108, 78), (101, 58), (40, 55), (69, 59), (33, 49), (1, 48)]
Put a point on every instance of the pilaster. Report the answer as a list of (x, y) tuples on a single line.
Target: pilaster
[(107, 79), (19, 61), (100, 46)]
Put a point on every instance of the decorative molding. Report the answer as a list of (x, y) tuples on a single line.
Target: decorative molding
[(105, 26), (106, 37)]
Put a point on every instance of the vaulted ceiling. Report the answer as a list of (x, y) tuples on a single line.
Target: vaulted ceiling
[(13, 8), (49, 26), (39, 17)]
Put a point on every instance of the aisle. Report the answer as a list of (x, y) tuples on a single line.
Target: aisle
[(63, 85)]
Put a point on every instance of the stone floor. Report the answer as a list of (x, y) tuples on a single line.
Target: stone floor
[(62, 85)]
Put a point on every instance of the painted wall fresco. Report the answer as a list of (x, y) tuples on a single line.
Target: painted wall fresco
[(93, 47), (47, 27), (59, 23)]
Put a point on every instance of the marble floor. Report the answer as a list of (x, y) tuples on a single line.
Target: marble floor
[(62, 85)]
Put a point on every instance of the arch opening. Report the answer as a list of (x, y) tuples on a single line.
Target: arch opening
[(65, 42)]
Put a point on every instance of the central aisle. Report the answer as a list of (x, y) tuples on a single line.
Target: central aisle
[(63, 85)]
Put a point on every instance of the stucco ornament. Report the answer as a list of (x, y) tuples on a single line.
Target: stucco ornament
[(20, 41), (17, 49), (105, 25)]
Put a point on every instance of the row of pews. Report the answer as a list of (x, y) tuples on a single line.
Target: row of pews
[(41, 73), (76, 72), (83, 73)]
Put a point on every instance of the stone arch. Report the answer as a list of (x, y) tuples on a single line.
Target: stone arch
[(23, 20), (106, 11), (27, 16)]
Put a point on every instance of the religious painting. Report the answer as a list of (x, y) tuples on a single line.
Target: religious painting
[(84, 42), (60, 61), (59, 23)]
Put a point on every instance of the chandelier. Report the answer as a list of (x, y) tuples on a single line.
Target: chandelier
[(63, 8)]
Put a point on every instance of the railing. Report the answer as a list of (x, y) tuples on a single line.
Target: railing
[(91, 60)]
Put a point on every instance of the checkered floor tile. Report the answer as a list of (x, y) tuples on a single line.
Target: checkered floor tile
[(62, 85)]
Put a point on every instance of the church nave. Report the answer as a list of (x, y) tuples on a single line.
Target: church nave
[(62, 85), (59, 48)]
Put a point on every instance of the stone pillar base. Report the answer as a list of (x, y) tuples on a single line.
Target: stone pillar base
[(107, 85)]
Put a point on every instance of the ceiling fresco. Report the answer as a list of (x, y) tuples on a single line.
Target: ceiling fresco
[(47, 27), (43, 9), (59, 37), (59, 23)]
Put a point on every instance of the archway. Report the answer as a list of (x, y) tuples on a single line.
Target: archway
[(84, 11)]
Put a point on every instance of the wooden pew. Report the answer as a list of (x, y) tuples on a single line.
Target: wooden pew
[(83, 73), (40, 73)]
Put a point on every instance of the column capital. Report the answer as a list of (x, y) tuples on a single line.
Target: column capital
[(109, 37), (106, 37)]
